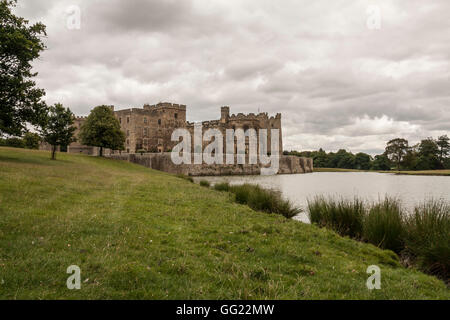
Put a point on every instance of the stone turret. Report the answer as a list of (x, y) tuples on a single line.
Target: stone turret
[(224, 114)]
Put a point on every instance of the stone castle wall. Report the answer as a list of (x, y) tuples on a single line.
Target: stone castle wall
[(150, 128), (163, 162)]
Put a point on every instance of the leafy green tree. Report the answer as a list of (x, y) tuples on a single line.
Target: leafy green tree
[(411, 158), (102, 129), (346, 161), (362, 161), (20, 44), (31, 140), (428, 155), (443, 143), (396, 150), (320, 158), (58, 129), (14, 142), (381, 162)]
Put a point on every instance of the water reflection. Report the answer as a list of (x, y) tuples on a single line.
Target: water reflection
[(411, 190)]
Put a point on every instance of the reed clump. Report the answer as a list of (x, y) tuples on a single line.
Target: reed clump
[(260, 199), (422, 236)]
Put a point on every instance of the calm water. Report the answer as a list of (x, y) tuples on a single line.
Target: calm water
[(371, 186)]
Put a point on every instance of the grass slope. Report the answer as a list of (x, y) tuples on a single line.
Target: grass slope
[(414, 173), (143, 234)]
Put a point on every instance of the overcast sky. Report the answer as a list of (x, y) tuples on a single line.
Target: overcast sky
[(338, 80)]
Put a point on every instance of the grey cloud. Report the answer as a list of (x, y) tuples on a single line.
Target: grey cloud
[(336, 83)]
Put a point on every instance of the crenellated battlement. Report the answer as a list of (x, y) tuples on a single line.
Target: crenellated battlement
[(164, 105), (150, 127)]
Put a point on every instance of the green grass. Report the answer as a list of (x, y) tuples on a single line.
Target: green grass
[(344, 216), (427, 237), (143, 234), (185, 177), (421, 237), (384, 225), (205, 183), (416, 173), (260, 199)]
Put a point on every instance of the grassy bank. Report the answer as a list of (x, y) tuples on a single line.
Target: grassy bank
[(258, 198), (421, 237), (143, 234), (416, 173)]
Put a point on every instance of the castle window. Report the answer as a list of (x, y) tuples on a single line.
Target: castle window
[(159, 121), (128, 142), (245, 127), (128, 119), (145, 132), (128, 133), (120, 120), (145, 120), (176, 115)]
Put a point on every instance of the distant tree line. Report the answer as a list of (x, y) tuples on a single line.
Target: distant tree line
[(429, 154)]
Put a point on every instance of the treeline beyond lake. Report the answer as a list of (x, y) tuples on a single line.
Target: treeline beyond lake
[(428, 154)]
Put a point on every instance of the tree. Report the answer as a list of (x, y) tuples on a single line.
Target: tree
[(346, 161), (381, 162), (428, 155), (58, 129), (20, 44), (31, 140), (411, 158), (443, 143), (396, 150), (14, 142), (102, 129), (362, 161)]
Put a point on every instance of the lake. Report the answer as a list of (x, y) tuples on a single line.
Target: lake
[(371, 186)]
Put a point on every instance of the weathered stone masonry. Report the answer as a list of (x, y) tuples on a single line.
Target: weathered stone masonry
[(163, 162), (149, 129)]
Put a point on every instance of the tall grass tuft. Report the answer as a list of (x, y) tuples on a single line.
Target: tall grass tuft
[(384, 225), (224, 186), (205, 183), (344, 216), (427, 237), (261, 199)]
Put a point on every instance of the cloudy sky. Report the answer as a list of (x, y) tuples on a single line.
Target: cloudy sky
[(341, 77)]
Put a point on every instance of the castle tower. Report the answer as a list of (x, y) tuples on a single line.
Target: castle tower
[(224, 114)]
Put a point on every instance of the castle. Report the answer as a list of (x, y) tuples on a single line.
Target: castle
[(149, 129)]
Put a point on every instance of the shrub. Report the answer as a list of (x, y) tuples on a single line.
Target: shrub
[(14, 142), (344, 216), (204, 183), (427, 237), (224, 186), (264, 200), (384, 225), (31, 140), (185, 177)]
